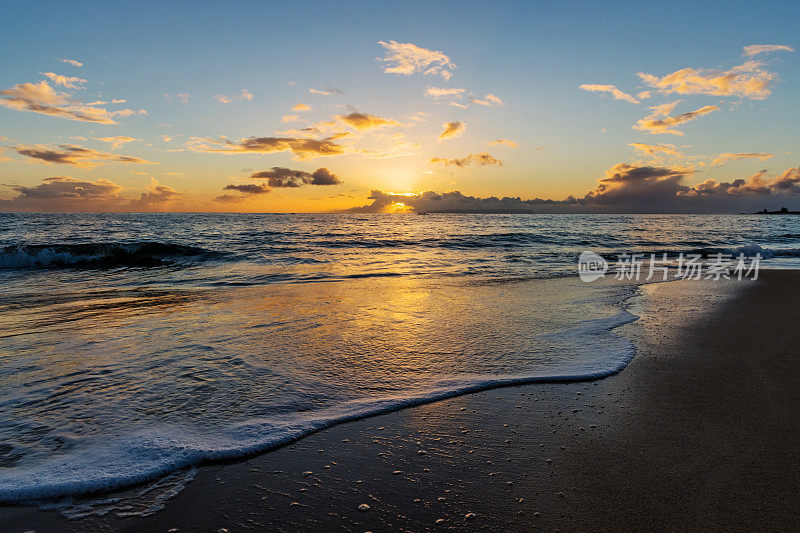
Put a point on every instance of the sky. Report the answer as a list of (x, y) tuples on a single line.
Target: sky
[(391, 107)]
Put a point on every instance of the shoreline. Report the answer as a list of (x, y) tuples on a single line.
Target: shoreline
[(566, 450)]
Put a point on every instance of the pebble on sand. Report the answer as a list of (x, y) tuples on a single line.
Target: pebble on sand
[(307, 473), (363, 507), (470, 516)]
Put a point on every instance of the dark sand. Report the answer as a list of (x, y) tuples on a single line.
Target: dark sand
[(700, 431)]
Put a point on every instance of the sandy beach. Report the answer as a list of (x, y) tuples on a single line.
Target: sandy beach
[(700, 431)]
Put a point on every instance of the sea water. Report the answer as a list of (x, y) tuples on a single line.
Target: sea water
[(136, 345)]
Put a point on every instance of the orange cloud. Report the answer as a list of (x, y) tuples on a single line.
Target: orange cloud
[(302, 148), (747, 80), (440, 92), (504, 141), (363, 121), (326, 92), (651, 149), (452, 130), (116, 142), (611, 89), (721, 159), (489, 100), (659, 121), (481, 159), (755, 49), (69, 82), (42, 98)]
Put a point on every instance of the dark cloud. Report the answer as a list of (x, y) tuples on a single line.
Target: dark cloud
[(480, 159), (624, 188), (154, 199), (67, 154), (455, 202), (67, 188), (248, 188), (64, 193), (286, 177), (302, 147)]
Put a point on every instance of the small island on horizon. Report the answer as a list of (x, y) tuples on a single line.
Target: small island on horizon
[(781, 211)]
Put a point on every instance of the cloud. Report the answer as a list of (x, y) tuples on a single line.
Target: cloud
[(42, 98), (225, 99), (663, 189), (721, 159), (611, 89), (248, 188), (408, 58), (441, 92), (128, 113), (455, 202), (503, 141), (644, 95), (757, 184), (286, 177), (303, 148), (116, 142), (72, 62), (300, 108), (755, 49), (626, 184), (748, 80), (69, 82), (489, 100), (183, 97), (154, 198), (481, 159), (363, 121), (659, 121), (651, 149), (65, 193), (452, 130), (289, 118), (327, 92), (67, 188), (76, 156), (624, 188)]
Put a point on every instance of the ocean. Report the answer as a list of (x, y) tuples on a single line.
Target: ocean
[(133, 346)]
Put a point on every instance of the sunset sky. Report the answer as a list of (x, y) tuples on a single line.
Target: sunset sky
[(374, 106)]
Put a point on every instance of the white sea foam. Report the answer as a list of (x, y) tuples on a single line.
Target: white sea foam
[(97, 464)]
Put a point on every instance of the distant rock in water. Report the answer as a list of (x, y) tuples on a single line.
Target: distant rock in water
[(782, 211)]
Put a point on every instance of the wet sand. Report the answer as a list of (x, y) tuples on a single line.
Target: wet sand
[(700, 431)]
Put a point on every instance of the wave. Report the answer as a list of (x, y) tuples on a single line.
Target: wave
[(94, 465), (99, 255), (748, 250)]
